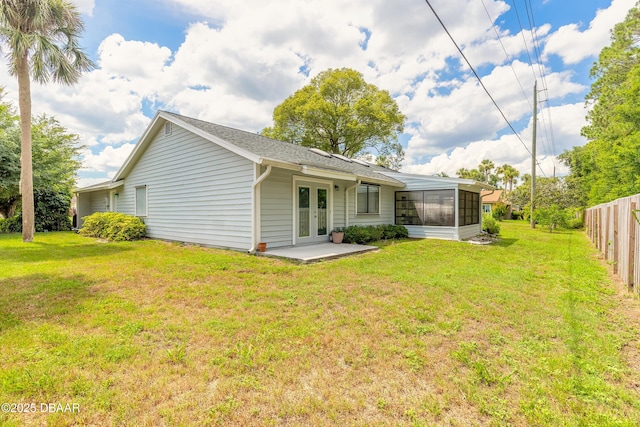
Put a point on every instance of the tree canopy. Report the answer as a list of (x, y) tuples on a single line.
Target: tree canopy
[(55, 152), (339, 112), (608, 166), (487, 172)]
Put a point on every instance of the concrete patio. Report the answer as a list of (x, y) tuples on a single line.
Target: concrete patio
[(317, 252)]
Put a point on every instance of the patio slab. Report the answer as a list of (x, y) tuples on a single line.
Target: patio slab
[(318, 252)]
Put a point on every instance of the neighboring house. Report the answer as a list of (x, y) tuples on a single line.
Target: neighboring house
[(492, 197), (194, 181)]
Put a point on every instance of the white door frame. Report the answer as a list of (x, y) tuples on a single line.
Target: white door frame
[(314, 184)]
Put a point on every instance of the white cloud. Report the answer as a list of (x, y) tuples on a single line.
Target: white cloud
[(574, 45), (108, 160), (85, 6), (238, 60)]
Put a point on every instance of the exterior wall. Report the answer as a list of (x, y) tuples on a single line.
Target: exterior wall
[(277, 204), (418, 183), (197, 192), (88, 203), (387, 208), (469, 231)]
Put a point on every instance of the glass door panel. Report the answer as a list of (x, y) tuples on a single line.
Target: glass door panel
[(304, 217), (323, 220)]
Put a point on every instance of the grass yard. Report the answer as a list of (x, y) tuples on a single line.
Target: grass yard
[(530, 331)]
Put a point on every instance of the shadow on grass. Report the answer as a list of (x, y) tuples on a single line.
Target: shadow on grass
[(505, 243), (41, 297)]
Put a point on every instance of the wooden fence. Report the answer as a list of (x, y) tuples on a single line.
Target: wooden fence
[(615, 231)]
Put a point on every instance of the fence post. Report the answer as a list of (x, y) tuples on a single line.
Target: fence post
[(615, 239), (632, 246)]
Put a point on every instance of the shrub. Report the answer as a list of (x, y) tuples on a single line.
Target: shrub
[(113, 226), (52, 210), (489, 224), (499, 211), (11, 225), (51, 213), (370, 233), (517, 215), (391, 231)]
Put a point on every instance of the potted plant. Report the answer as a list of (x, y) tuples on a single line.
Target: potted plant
[(337, 235)]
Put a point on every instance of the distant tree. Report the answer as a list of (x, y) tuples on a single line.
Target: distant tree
[(474, 174), (41, 38), (608, 166), (486, 168), (339, 112), (56, 161), (509, 176), (442, 174), (549, 191), (552, 217)]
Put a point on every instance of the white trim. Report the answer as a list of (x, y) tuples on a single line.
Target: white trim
[(297, 180), (326, 173), (256, 205)]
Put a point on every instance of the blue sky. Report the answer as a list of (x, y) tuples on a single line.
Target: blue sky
[(232, 62)]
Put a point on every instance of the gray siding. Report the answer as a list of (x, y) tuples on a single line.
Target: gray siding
[(88, 203), (430, 232), (197, 192), (387, 208), (276, 209), (277, 204)]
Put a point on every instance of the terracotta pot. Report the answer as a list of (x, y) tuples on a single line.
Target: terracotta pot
[(262, 247), (337, 236)]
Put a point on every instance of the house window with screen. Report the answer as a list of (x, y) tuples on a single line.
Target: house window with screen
[(468, 208), (141, 201), (428, 207), (368, 199)]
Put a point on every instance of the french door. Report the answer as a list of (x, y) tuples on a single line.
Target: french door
[(313, 214)]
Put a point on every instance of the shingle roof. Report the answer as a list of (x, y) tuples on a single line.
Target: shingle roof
[(491, 196), (271, 149)]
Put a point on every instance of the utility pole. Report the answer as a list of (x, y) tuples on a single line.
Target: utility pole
[(533, 150)]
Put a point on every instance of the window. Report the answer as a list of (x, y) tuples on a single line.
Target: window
[(428, 207), (141, 201), (368, 199), (468, 208)]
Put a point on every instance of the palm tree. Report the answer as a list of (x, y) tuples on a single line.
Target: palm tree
[(42, 42), (509, 175), (485, 167)]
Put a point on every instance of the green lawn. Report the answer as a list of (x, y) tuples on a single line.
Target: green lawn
[(530, 331)]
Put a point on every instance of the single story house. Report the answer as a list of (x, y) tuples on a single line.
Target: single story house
[(490, 198), (199, 182)]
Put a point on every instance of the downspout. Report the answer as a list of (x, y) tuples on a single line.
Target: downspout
[(256, 183), (346, 202)]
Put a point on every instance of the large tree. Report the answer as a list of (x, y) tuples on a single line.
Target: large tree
[(608, 166), (41, 37), (339, 112), (55, 160)]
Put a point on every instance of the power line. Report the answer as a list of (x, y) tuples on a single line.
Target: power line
[(482, 84), (536, 41), (509, 60)]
